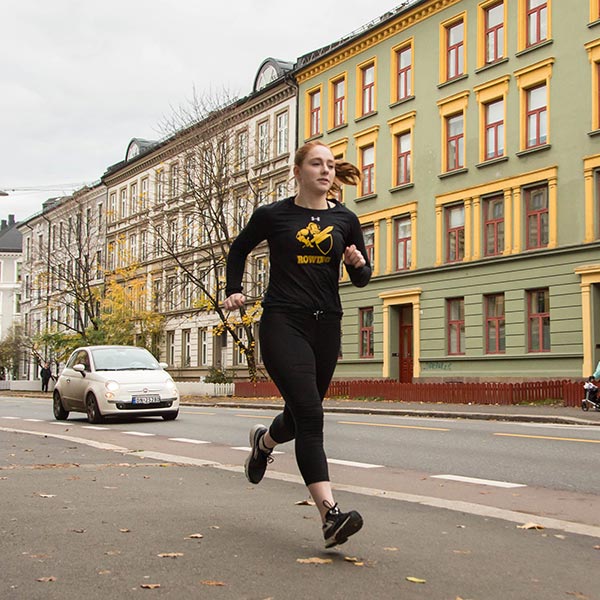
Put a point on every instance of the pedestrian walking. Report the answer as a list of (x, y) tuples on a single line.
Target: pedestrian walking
[(45, 374), (300, 328)]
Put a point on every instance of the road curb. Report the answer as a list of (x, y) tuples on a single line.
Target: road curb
[(440, 414)]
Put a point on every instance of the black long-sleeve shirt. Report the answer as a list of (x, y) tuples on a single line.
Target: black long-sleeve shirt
[(306, 247)]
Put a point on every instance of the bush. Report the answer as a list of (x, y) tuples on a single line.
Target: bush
[(218, 375)]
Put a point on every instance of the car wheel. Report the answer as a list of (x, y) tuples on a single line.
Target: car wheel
[(93, 412), (170, 416), (60, 414)]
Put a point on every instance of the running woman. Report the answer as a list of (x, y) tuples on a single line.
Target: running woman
[(308, 235)]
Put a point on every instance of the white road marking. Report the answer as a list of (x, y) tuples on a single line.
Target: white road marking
[(94, 427), (247, 449), (350, 463), (481, 510), (188, 441), (11, 418), (502, 484), (34, 420), (140, 433)]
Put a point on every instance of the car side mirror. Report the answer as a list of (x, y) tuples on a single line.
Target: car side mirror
[(79, 368), (164, 365)]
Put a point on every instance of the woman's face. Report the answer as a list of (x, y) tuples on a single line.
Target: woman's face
[(317, 172)]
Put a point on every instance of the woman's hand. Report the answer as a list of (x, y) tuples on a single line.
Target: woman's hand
[(353, 257), (234, 301)]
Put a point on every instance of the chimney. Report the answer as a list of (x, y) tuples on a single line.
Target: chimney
[(11, 220), (3, 225)]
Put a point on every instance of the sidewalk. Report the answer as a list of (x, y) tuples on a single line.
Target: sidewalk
[(533, 413)]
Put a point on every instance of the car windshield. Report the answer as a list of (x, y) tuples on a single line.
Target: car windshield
[(124, 359)]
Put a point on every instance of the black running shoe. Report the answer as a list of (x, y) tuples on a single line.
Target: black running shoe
[(256, 463), (339, 526)]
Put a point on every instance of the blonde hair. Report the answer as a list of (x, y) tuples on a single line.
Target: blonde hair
[(345, 172)]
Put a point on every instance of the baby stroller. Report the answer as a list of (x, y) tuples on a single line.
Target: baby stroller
[(591, 395)]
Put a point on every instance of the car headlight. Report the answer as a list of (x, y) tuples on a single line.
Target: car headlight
[(171, 385), (112, 386)]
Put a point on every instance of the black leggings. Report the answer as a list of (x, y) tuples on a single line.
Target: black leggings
[(300, 352)]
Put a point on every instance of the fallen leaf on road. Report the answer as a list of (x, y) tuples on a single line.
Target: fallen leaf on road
[(461, 551), (213, 583), (560, 536), (112, 552), (150, 586), (596, 547), (215, 527), (46, 579), (194, 536), (125, 530), (391, 549), (47, 495), (78, 530), (304, 503), (170, 554), (416, 580), (578, 595), (530, 526), (104, 572), (315, 560)]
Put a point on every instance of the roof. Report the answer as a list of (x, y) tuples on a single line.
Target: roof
[(11, 239)]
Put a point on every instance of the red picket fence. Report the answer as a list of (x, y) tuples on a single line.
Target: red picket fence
[(569, 392)]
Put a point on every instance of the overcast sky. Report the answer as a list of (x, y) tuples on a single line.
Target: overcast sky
[(80, 78)]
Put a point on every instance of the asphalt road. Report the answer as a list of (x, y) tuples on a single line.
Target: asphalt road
[(102, 512)]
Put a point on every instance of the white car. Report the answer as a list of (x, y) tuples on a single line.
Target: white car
[(107, 381)]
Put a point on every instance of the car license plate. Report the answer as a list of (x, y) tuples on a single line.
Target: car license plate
[(145, 399)]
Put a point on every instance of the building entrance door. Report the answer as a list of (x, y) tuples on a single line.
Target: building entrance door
[(405, 344)]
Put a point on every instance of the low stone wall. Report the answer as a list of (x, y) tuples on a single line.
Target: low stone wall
[(197, 388)]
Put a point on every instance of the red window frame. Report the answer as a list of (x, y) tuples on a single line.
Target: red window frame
[(367, 171), (339, 102), (455, 319), (454, 143), (494, 132), (536, 120), (368, 89), (494, 35), (494, 324), (403, 173), (538, 320), (365, 316), (315, 113), (404, 73), (455, 234), (455, 52), (536, 217), (536, 20), (493, 226), (403, 243)]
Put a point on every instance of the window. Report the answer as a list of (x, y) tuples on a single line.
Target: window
[(455, 233), (132, 250), (367, 167), (538, 320), (144, 194), (171, 347), (314, 113), (100, 220), (282, 121), (594, 10), (403, 241), (455, 49), (242, 150), (203, 345), (494, 32), (536, 209), (263, 141), (112, 208), (261, 274), (536, 117), (493, 225), (174, 180), (367, 89), (157, 295), (455, 310), (186, 347), (123, 206), (160, 186), (455, 144), (403, 153), (537, 21), (494, 129), (239, 356), (338, 88), (369, 237), (365, 316), (494, 324), (281, 190), (403, 60), (171, 293), (133, 199)]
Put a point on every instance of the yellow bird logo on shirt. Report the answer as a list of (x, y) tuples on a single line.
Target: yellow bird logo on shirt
[(312, 236)]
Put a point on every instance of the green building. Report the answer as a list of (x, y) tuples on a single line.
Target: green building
[(476, 125)]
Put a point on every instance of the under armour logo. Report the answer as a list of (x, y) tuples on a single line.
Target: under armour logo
[(315, 218)]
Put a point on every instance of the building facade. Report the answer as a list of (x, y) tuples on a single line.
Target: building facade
[(476, 126)]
